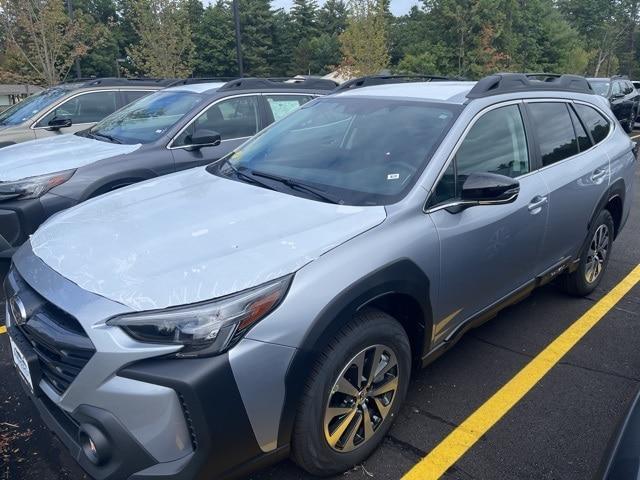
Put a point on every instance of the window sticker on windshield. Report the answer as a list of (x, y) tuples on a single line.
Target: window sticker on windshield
[(393, 176)]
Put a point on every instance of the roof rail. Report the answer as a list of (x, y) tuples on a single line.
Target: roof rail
[(121, 82), (278, 83), (194, 80), (524, 82), (371, 80)]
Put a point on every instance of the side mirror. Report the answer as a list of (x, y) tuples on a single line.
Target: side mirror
[(57, 123), (204, 138), (489, 189), (617, 96)]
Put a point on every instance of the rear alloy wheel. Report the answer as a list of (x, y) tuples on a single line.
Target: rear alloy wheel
[(594, 258), (597, 254), (353, 393)]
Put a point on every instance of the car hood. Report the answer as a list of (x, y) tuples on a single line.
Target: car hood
[(192, 236), (55, 154)]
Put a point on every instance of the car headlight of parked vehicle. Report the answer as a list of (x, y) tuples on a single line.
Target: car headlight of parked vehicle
[(34, 187), (206, 328)]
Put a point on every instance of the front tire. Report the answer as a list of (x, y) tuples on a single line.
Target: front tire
[(594, 259), (353, 395)]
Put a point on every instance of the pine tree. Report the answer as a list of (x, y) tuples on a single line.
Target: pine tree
[(215, 43), (256, 19)]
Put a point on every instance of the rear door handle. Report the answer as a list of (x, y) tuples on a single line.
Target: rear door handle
[(598, 174), (537, 203)]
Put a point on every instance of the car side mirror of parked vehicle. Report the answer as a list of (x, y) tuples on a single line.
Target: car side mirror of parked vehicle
[(57, 123), (489, 189), (204, 138)]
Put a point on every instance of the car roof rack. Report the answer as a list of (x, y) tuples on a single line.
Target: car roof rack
[(196, 80), (372, 80), (301, 83), (120, 82), (500, 83)]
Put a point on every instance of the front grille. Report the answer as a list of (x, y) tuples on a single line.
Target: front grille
[(60, 342)]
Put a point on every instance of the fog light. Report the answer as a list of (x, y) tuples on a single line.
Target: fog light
[(94, 444)]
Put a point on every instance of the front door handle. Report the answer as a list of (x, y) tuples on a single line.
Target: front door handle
[(536, 204), (598, 174)]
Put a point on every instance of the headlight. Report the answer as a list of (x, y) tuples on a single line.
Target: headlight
[(205, 328), (34, 187)]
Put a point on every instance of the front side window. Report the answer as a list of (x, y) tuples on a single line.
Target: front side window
[(556, 137), (495, 144), (147, 119), (31, 106), (596, 124), (85, 108), (355, 151), (283, 105), (232, 118)]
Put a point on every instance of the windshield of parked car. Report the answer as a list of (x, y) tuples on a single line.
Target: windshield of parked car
[(601, 87), (30, 106), (147, 119), (347, 150)]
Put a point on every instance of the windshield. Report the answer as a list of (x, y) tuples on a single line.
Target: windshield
[(354, 151), (30, 106), (601, 87), (147, 119)]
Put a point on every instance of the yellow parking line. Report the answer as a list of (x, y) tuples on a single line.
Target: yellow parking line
[(634, 137), (3, 329), (460, 440)]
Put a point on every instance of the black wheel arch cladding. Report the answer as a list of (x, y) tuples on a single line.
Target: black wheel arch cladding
[(401, 277)]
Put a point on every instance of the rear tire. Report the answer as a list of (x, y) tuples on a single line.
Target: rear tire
[(343, 415), (594, 259)]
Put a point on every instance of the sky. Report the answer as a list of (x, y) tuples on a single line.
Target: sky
[(398, 7)]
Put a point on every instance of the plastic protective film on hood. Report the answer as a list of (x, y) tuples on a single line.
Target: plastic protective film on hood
[(191, 237)]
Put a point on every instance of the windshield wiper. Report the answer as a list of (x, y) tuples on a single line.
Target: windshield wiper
[(246, 177), (104, 135), (297, 185)]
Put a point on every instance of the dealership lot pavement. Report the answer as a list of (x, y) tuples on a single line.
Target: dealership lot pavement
[(560, 429)]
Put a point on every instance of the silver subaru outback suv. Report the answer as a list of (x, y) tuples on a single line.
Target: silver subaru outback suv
[(274, 303)]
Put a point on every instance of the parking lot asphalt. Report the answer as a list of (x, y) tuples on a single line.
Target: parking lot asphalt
[(558, 430)]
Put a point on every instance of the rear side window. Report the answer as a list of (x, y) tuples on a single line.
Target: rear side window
[(595, 123), (554, 130), (584, 142), (282, 105), (131, 96)]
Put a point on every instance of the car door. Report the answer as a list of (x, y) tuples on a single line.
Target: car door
[(576, 175), (488, 251), (235, 118), (84, 110)]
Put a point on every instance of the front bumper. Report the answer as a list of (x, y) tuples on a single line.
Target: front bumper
[(163, 418), (224, 445)]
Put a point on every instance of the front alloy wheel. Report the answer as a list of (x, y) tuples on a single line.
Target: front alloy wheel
[(361, 398), (354, 391)]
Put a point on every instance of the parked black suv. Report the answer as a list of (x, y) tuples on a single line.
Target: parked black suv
[(623, 97)]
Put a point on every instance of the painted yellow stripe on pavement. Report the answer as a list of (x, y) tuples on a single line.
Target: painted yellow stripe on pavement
[(634, 137), (460, 440), (3, 329)]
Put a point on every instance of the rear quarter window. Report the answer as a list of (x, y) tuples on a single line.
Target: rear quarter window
[(597, 125)]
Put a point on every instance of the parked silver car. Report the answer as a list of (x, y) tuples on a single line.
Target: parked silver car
[(274, 303), (71, 107)]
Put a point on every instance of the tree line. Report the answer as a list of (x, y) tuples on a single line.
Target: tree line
[(41, 40)]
